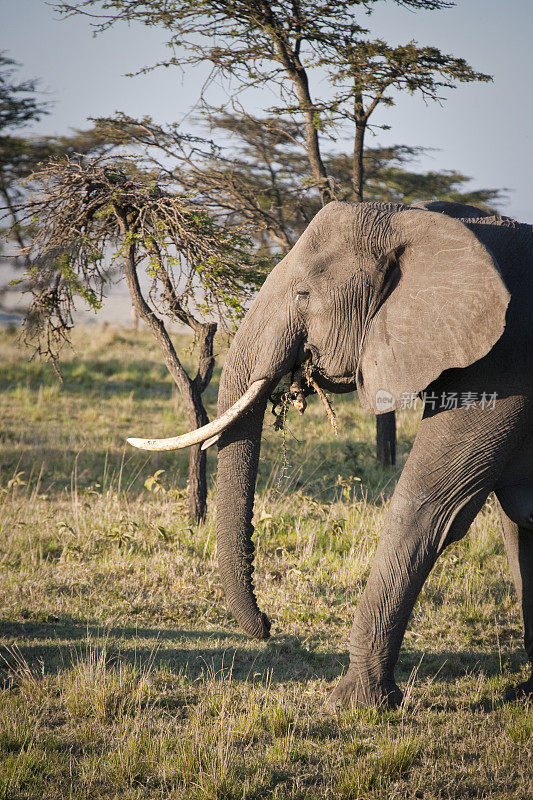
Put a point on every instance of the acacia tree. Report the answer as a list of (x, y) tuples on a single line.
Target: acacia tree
[(368, 71), (92, 211), (266, 43), (259, 43)]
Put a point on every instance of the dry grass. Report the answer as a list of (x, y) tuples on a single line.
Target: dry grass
[(125, 677)]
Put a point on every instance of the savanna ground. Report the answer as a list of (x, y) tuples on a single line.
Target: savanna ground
[(123, 675)]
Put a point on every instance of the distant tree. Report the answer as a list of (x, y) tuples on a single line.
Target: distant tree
[(96, 211), (256, 176), (389, 179), (18, 103), (20, 156), (19, 106)]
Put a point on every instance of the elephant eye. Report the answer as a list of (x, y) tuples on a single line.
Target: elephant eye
[(302, 294)]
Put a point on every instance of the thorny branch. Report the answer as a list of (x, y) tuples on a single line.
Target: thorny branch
[(95, 216), (96, 212), (329, 408), (296, 396)]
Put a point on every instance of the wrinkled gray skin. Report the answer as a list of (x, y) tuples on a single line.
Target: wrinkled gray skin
[(396, 299)]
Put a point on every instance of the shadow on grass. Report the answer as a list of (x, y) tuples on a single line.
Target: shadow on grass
[(96, 376), (122, 469), (93, 465), (54, 646), (448, 666)]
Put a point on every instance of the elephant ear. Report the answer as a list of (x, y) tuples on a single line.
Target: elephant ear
[(447, 310)]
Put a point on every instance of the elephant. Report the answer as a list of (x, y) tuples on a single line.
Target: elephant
[(395, 301)]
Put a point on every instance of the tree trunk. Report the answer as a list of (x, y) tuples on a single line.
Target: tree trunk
[(358, 167), (386, 438), (385, 423), (197, 484), (197, 480), (190, 390), (312, 142), (298, 75)]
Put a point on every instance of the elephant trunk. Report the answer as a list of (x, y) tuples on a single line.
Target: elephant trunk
[(238, 459), (237, 471)]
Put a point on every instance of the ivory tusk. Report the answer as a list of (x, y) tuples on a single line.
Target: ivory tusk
[(209, 442), (209, 432)]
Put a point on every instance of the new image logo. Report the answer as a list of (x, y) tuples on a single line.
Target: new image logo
[(384, 401)]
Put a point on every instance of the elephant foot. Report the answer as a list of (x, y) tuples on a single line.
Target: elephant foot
[(523, 691), (355, 689)]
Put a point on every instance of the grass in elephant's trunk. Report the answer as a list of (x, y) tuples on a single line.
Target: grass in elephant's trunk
[(125, 676)]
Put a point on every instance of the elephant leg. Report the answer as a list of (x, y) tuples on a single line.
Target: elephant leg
[(455, 462), (409, 545), (518, 542)]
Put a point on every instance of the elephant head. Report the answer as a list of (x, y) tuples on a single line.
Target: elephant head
[(379, 297)]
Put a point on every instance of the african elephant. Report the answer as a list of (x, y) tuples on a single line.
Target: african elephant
[(393, 300)]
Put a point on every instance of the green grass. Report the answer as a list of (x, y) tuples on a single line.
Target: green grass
[(124, 676)]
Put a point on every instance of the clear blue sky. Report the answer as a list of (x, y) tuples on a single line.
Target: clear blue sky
[(482, 130)]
